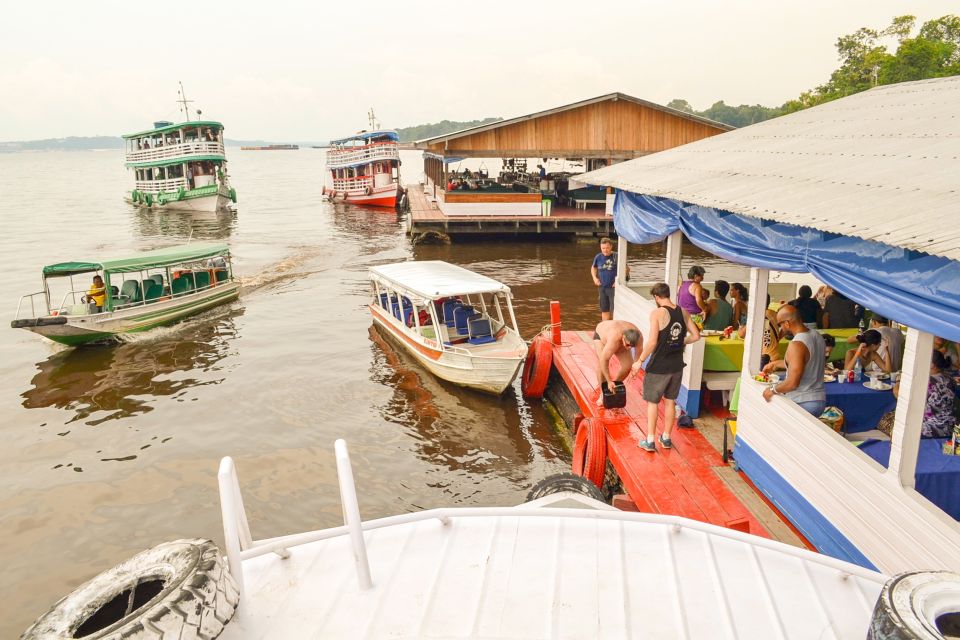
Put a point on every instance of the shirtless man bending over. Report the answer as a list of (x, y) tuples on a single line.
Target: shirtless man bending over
[(615, 338)]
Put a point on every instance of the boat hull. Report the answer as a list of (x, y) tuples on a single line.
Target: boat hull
[(211, 203), (386, 197), (490, 374), (78, 330)]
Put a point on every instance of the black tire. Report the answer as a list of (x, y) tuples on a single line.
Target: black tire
[(901, 614), (564, 482), (179, 589)]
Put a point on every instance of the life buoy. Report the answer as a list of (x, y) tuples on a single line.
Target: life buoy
[(536, 368), (181, 585), (367, 191), (590, 451)]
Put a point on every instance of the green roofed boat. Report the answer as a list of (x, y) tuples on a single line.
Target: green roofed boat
[(93, 300)]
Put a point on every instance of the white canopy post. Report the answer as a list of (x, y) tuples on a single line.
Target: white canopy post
[(756, 312), (674, 248), (912, 399), (622, 260)]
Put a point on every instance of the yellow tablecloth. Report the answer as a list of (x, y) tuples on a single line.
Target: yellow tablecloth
[(727, 355)]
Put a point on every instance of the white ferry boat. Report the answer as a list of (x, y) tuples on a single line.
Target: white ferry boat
[(458, 324), (365, 168), (179, 166)]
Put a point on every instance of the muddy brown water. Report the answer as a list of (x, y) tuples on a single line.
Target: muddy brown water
[(107, 450)]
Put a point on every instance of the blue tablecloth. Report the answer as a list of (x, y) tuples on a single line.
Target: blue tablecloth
[(938, 476), (862, 407)]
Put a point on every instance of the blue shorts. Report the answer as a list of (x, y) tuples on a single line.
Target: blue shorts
[(606, 298)]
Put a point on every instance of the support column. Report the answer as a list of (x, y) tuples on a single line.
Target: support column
[(674, 249), (621, 262), (912, 398), (756, 312)]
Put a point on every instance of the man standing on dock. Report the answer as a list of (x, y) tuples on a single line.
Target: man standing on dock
[(615, 338), (671, 329), (604, 272)]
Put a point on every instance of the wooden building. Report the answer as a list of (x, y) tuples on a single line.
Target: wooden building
[(597, 132)]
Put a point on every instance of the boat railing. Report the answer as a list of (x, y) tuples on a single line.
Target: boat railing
[(354, 155), (161, 186), (186, 149), (168, 296), (61, 309), (30, 296), (351, 184)]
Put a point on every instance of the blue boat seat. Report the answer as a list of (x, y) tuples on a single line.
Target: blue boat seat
[(449, 306), (460, 317), (480, 330), (383, 301)]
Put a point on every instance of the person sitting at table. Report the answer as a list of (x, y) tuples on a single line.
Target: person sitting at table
[(867, 354), (719, 311), (451, 185), (829, 342), (804, 364), (938, 416), (770, 349), (808, 307), (740, 297), (891, 341), (839, 312), (948, 350), (690, 294)]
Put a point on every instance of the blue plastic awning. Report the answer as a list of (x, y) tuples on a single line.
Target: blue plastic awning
[(366, 136), (913, 288)]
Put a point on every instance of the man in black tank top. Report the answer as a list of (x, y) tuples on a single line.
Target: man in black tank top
[(671, 329)]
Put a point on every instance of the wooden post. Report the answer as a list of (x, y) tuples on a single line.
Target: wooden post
[(756, 312), (621, 263), (672, 271), (555, 322), (912, 398)]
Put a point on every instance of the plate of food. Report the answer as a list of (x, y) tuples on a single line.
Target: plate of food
[(878, 386), (878, 376), (829, 378), (710, 332)]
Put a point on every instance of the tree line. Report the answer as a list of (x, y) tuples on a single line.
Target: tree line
[(866, 61), (419, 132)]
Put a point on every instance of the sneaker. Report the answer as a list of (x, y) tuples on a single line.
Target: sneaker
[(666, 443), (646, 445)]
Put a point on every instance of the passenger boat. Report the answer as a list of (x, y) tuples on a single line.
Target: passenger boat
[(365, 168), (140, 292), (179, 166), (561, 565), (451, 320)]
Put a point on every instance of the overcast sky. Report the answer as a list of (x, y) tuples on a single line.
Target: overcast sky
[(289, 71)]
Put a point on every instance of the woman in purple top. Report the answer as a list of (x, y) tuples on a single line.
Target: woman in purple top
[(690, 293)]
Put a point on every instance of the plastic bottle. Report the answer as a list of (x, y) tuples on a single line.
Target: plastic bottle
[(857, 371)]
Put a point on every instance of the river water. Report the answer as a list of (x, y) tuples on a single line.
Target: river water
[(111, 449)]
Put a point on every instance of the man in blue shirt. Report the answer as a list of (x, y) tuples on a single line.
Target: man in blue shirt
[(604, 272)]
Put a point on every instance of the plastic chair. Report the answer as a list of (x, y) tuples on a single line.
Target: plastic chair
[(480, 331)]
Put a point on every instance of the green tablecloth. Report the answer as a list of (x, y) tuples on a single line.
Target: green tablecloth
[(727, 355)]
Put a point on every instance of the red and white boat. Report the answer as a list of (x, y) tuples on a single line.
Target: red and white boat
[(365, 168)]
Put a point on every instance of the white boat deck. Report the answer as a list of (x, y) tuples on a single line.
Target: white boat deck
[(531, 572)]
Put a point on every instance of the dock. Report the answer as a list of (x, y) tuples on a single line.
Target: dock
[(691, 479), (426, 217)]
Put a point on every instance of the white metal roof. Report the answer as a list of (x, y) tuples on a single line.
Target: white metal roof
[(880, 165), (431, 279), (547, 572)]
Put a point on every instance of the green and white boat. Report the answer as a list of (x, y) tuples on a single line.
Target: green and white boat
[(139, 292), (179, 166)]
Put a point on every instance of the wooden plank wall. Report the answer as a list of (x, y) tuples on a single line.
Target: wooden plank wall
[(616, 127)]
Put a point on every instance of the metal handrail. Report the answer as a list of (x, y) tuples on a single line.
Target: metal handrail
[(161, 186), (32, 307), (372, 153), (182, 149), (63, 301)]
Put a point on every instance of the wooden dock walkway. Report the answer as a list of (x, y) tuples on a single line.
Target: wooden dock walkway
[(425, 216), (689, 480)]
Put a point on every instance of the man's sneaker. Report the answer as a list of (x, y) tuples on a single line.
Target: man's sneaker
[(646, 445), (666, 443)]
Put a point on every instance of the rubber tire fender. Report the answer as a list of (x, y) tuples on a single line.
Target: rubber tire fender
[(367, 191), (536, 368), (590, 451), (565, 481), (900, 614), (195, 599)]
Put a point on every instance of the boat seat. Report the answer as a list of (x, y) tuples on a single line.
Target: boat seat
[(203, 279), (154, 291), (383, 301), (222, 275), (131, 291), (480, 331), (460, 317), (449, 307), (181, 285), (158, 278)]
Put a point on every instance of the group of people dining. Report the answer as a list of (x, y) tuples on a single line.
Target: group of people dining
[(879, 347)]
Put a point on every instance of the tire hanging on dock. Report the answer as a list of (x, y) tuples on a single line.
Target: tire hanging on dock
[(905, 609), (590, 451), (177, 590), (536, 368), (565, 481)]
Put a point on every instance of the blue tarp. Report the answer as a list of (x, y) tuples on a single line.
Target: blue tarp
[(913, 288), (364, 136)]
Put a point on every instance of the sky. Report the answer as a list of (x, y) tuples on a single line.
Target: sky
[(297, 71)]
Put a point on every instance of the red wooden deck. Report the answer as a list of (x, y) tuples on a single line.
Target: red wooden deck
[(680, 481)]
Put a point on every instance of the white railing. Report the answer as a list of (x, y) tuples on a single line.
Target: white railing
[(361, 183), (33, 309), (157, 186), (369, 153), (183, 149)]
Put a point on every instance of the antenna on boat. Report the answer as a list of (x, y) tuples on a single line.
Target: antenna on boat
[(183, 101), (190, 237), (374, 125)]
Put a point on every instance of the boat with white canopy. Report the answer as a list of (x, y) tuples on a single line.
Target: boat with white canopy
[(458, 324)]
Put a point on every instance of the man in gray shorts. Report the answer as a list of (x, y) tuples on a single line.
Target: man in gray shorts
[(671, 329)]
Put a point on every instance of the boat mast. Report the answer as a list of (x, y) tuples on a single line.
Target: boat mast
[(374, 125), (183, 101)]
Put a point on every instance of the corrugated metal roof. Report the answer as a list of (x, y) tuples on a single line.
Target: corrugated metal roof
[(881, 165), (431, 279), (568, 107)]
